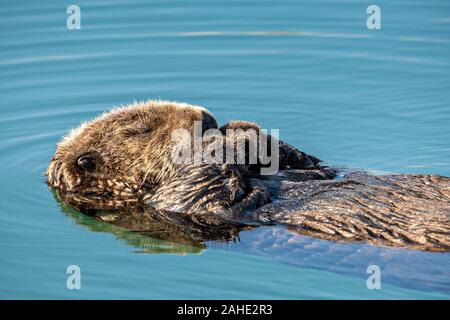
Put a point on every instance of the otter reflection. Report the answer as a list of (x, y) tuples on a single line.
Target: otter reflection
[(149, 231)]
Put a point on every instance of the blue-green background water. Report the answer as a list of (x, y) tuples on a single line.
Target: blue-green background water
[(375, 99)]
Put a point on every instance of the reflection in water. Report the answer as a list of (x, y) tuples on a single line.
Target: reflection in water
[(150, 232)]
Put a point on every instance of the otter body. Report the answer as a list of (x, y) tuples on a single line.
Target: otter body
[(125, 160), (402, 210)]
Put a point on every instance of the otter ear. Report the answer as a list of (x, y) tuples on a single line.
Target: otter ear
[(207, 194), (132, 131)]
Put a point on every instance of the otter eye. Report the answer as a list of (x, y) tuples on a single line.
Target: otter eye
[(86, 163)]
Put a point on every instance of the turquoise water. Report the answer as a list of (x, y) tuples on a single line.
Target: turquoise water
[(374, 99)]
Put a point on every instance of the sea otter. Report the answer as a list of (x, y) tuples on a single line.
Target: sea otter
[(124, 159)]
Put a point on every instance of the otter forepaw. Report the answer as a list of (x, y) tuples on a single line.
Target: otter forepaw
[(208, 194), (291, 157), (257, 197)]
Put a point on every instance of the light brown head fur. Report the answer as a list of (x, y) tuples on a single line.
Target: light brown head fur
[(112, 161)]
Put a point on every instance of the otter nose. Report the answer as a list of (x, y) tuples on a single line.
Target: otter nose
[(87, 163)]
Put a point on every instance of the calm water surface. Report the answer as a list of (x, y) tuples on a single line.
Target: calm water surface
[(378, 100)]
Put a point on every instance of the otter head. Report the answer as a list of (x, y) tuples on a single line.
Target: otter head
[(112, 161)]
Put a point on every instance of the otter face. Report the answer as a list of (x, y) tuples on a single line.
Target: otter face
[(112, 161)]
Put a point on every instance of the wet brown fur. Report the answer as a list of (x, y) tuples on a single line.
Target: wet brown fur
[(132, 146)]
